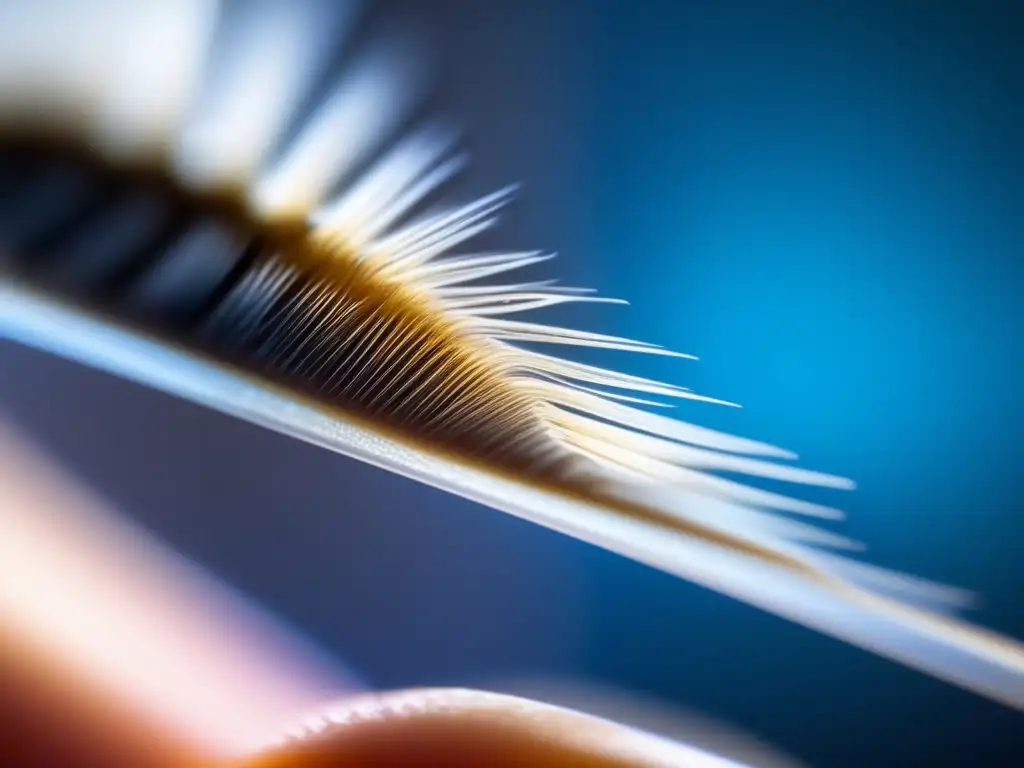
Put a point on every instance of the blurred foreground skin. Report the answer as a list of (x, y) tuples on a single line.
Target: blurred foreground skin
[(115, 652), (102, 626), (471, 728)]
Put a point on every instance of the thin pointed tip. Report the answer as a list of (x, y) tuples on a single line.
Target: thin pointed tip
[(715, 401), (510, 190), (670, 352), (839, 483)]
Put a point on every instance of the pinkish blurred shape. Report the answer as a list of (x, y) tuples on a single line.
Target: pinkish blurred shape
[(122, 614)]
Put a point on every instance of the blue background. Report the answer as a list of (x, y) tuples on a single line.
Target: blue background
[(823, 200)]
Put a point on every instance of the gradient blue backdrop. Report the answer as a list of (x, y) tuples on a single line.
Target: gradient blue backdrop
[(824, 201)]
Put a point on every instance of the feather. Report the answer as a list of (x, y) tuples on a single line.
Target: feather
[(332, 310)]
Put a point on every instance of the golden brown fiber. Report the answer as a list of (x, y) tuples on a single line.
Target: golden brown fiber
[(326, 298)]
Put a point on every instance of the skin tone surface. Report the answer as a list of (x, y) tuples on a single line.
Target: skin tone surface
[(114, 652)]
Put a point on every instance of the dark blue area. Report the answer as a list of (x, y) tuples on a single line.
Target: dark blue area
[(823, 201)]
